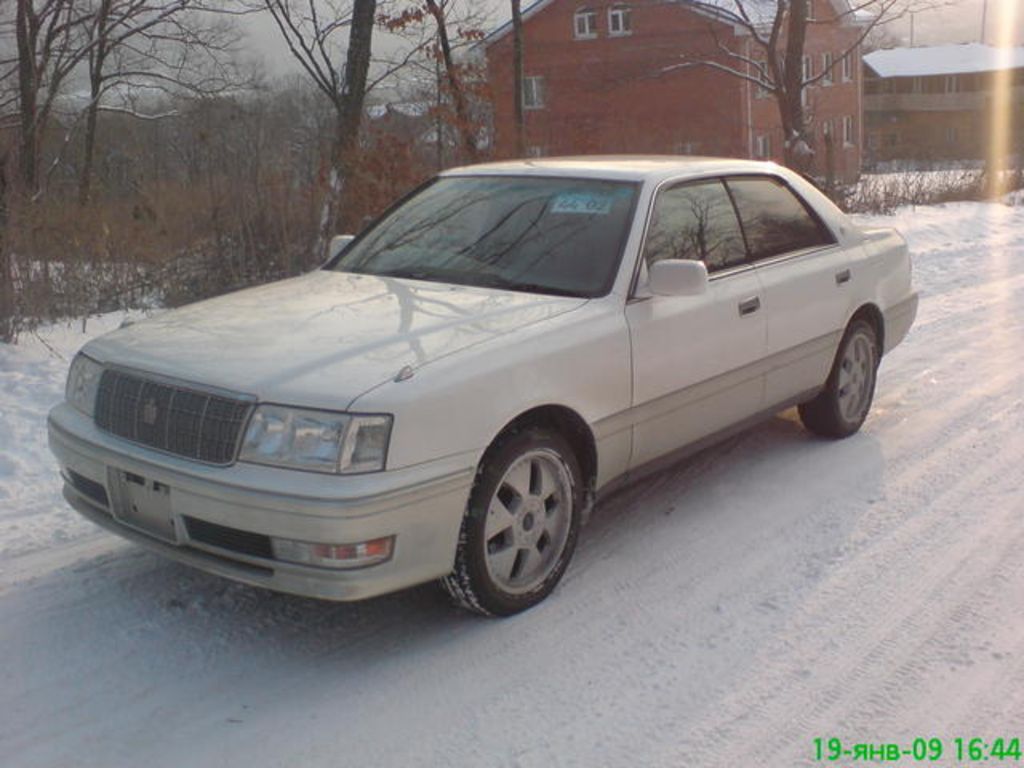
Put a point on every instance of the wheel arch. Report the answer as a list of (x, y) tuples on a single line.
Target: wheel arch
[(570, 425), (872, 314)]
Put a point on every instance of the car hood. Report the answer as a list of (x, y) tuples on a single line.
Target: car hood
[(322, 339)]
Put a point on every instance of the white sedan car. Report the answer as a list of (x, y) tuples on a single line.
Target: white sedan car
[(448, 396)]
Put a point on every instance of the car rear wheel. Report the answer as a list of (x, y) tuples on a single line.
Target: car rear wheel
[(842, 406), (520, 529)]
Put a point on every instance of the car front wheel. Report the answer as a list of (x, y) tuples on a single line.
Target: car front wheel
[(521, 525), (842, 406)]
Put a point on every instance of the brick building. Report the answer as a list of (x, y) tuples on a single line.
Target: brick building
[(604, 77), (934, 103)]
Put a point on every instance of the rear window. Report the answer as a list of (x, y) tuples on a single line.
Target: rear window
[(775, 220)]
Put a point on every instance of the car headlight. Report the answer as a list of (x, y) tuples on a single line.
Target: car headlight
[(321, 441), (83, 383)]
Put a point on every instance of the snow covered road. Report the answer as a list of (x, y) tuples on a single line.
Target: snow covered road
[(774, 589)]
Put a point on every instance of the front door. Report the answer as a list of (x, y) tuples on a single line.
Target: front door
[(695, 358)]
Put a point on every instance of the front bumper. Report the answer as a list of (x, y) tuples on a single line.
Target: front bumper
[(421, 506)]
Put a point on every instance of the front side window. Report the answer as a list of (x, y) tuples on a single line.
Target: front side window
[(848, 67), (774, 220), (619, 20), (826, 68), (585, 23), (533, 92), (540, 235), (695, 221)]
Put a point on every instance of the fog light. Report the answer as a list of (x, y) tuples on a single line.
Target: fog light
[(359, 555)]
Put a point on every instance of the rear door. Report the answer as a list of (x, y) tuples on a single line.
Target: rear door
[(695, 358), (806, 279)]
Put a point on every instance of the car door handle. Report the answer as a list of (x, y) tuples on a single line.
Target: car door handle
[(749, 306), (842, 276)]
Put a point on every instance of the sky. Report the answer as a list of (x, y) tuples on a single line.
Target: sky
[(954, 21)]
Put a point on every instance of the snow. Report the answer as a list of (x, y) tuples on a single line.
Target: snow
[(943, 60), (32, 376), (771, 590)]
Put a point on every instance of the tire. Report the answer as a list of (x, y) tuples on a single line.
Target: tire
[(521, 525), (842, 406)]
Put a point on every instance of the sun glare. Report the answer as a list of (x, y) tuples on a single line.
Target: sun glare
[(1002, 115)]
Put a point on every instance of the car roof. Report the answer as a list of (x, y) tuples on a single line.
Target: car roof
[(617, 167)]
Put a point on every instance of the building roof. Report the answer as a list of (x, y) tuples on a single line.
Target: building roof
[(760, 12), (943, 60)]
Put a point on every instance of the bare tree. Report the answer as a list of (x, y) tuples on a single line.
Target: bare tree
[(465, 123), (777, 31), (150, 47), (309, 28), (518, 74), (448, 72), (49, 46)]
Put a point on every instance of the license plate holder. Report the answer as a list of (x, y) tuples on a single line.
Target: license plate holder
[(143, 504)]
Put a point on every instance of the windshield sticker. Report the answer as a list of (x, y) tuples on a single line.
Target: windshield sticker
[(592, 203)]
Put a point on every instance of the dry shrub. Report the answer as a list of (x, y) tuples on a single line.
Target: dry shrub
[(385, 171), (176, 242), (883, 193)]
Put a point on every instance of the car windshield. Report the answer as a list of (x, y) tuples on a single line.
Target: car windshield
[(542, 235)]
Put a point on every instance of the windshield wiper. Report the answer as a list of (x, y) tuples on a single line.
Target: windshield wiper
[(527, 287), (482, 280), (412, 274)]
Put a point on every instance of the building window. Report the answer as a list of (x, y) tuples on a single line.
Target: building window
[(619, 20), (584, 24), (826, 131), (848, 67), (533, 92), (763, 147), (952, 84), (952, 134), (808, 68), (826, 68), (848, 137), (760, 71), (535, 151)]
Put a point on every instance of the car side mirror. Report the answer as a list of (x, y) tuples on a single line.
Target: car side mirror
[(338, 244), (677, 277)]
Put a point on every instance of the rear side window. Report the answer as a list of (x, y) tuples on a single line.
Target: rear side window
[(695, 221), (775, 220)]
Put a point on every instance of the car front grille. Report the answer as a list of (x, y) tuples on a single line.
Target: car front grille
[(186, 422)]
